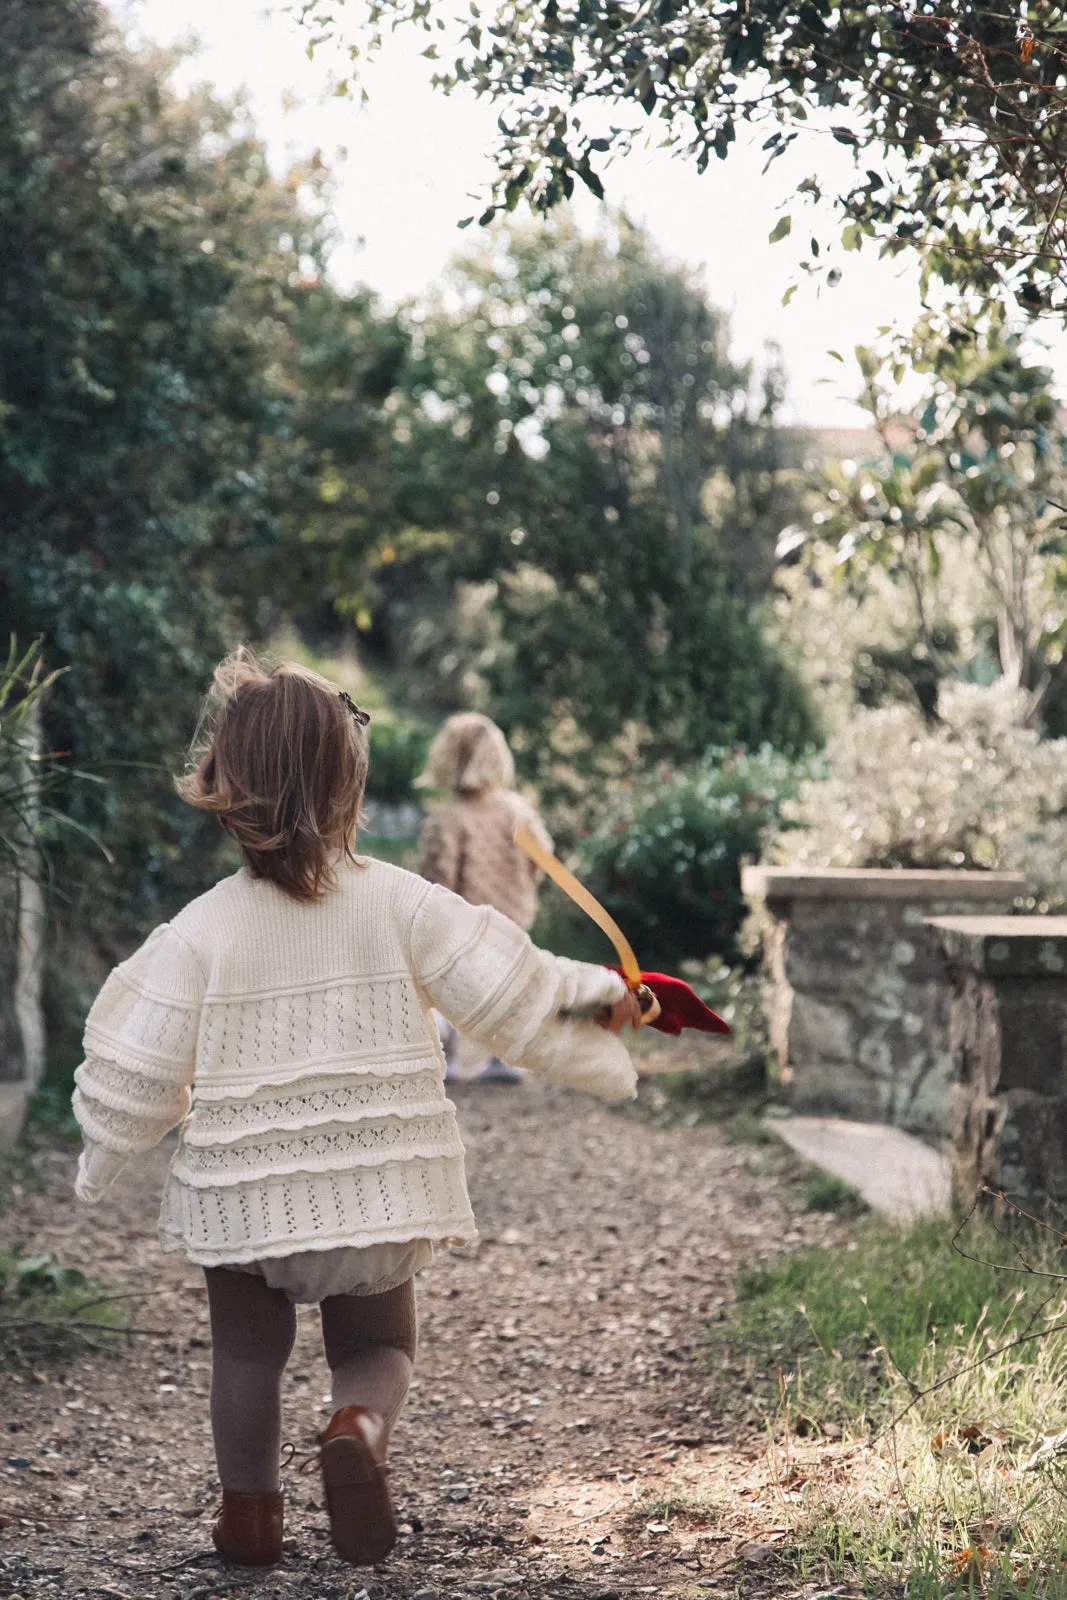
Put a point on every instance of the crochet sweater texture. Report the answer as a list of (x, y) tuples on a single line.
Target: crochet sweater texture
[(294, 1044), (469, 847)]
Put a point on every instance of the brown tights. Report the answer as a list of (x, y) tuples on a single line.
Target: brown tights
[(370, 1347)]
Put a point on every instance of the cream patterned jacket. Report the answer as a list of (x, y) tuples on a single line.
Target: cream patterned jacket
[(294, 1045)]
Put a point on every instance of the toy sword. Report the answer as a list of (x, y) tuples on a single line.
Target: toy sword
[(666, 1003)]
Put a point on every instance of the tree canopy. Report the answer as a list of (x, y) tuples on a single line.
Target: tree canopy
[(574, 447), (169, 370), (955, 110), (976, 473)]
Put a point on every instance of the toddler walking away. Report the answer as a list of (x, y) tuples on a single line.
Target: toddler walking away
[(284, 1021), (469, 845)]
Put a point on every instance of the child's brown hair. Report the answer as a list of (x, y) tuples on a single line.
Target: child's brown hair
[(280, 757)]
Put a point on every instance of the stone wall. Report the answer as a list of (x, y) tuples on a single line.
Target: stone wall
[(857, 998), (1008, 1032)]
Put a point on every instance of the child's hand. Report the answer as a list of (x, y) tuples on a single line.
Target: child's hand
[(622, 1012)]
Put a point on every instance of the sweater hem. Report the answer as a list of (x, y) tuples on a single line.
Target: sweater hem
[(455, 1233)]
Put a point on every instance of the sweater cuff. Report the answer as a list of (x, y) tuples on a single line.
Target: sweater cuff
[(97, 1170)]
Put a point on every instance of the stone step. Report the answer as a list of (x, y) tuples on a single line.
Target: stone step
[(895, 1173)]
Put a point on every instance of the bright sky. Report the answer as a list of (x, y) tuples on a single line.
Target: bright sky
[(416, 162)]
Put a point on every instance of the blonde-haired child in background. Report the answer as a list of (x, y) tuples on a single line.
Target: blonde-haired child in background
[(468, 845)]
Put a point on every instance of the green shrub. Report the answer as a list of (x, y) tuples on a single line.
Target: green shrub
[(50, 1312), (669, 870), (736, 993), (978, 789), (397, 756)]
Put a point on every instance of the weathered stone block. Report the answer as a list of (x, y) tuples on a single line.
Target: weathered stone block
[(1032, 1152), (820, 1030), (1008, 1031), (1033, 1036), (840, 1089), (857, 991)]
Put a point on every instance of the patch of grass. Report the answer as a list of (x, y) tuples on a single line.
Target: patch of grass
[(825, 1192), (943, 1504), (945, 1374), (682, 1505), (51, 1312), (731, 1094), (400, 852), (836, 1323), (747, 1126)]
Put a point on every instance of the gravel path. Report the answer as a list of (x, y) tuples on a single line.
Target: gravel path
[(563, 1437)]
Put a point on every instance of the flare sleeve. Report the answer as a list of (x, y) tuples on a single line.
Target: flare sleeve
[(485, 975), (140, 1051)]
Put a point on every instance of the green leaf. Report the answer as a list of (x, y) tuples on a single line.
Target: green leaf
[(33, 1265), (781, 230), (789, 293)]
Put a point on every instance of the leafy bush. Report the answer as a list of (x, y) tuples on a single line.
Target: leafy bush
[(736, 993), (975, 790), (50, 1312), (824, 1191), (397, 756), (28, 776), (667, 865)]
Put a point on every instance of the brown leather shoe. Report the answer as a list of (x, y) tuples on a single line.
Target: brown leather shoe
[(248, 1529), (352, 1452)]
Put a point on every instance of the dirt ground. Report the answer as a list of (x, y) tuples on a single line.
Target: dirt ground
[(565, 1435)]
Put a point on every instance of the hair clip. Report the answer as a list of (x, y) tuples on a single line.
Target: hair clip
[(362, 717)]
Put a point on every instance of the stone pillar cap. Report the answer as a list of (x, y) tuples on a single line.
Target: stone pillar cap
[(877, 883), (1020, 947)]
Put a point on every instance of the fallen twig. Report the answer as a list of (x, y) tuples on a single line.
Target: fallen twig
[(198, 1559), (61, 1324)]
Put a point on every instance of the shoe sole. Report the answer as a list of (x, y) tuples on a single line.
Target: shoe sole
[(362, 1520), (240, 1559)]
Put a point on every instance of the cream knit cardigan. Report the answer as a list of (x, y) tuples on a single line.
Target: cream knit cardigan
[(293, 1043)]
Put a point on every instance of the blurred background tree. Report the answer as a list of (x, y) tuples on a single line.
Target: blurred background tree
[(169, 428), (975, 477), (577, 459), (926, 593), (546, 490)]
